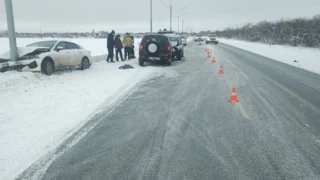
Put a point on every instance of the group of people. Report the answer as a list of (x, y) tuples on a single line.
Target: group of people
[(114, 42)]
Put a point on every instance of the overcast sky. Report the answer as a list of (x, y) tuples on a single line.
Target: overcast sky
[(133, 15)]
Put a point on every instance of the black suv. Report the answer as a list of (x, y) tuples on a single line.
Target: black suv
[(155, 48), (177, 46)]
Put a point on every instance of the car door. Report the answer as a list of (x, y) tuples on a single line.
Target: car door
[(61, 57), (76, 54)]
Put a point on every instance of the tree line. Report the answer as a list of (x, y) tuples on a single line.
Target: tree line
[(293, 32)]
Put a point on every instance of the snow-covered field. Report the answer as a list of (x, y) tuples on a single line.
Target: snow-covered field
[(308, 58), (38, 112)]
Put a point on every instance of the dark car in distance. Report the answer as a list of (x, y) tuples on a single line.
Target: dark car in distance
[(155, 48)]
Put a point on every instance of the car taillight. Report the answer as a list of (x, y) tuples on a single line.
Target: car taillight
[(141, 48), (169, 48)]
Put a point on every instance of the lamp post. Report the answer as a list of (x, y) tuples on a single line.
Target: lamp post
[(151, 16), (170, 16), (11, 30), (183, 20), (179, 17)]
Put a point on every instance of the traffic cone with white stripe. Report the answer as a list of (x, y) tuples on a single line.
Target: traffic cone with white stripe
[(221, 71), (209, 56), (214, 60), (234, 97)]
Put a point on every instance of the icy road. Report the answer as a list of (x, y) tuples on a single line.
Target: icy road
[(183, 127)]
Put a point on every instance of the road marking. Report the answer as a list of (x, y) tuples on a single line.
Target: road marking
[(242, 111), (293, 94), (246, 77)]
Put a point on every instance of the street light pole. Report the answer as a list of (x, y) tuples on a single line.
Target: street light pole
[(151, 16), (170, 16), (179, 18), (11, 30), (178, 23)]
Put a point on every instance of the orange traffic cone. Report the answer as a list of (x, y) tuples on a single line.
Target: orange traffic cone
[(214, 60), (221, 71), (234, 97)]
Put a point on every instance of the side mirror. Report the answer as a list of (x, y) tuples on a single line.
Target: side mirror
[(59, 48)]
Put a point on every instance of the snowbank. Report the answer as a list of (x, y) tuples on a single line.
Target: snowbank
[(38, 112), (308, 58)]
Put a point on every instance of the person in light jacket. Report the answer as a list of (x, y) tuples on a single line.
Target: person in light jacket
[(110, 46), (118, 46), (127, 43)]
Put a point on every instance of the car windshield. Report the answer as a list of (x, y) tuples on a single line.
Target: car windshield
[(47, 44), (212, 35), (174, 38)]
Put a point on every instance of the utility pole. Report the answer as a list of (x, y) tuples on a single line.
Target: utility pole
[(170, 16), (178, 23), (11, 30), (151, 16), (179, 18), (183, 21), (182, 24)]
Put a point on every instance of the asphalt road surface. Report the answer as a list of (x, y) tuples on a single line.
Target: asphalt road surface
[(181, 125)]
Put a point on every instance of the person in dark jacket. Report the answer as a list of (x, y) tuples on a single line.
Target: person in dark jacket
[(132, 53), (110, 46), (118, 46)]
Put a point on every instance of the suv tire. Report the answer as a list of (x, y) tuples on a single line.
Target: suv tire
[(169, 62), (179, 55), (141, 62)]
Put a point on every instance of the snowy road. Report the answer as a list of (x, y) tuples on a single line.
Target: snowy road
[(183, 127)]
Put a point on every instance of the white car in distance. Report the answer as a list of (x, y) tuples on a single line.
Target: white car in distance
[(50, 56)]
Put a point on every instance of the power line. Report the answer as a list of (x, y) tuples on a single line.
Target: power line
[(163, 4)]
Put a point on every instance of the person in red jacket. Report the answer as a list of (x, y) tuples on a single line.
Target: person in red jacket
[(118, 46)]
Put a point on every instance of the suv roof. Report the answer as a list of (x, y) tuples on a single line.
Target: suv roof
[(173, 35), (165, 32)]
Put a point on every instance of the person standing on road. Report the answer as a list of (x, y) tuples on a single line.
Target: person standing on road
[(110, 46), (127, 43), (118, 46), (132, 53)]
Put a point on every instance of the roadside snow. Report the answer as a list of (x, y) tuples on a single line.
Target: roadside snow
[(308, 58), (38, 112)]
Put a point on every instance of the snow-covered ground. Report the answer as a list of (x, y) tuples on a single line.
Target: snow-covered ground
[(38, 112), (308, 58)]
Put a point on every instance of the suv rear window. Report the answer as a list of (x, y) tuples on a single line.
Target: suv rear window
[(174, 38), (162, 40)]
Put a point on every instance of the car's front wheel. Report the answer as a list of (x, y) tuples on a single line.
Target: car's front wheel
[(141, 62), (47, 66), (169, 62), (179, 55), (85, 64)]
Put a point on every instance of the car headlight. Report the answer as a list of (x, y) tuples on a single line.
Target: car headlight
[(28, 57)]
